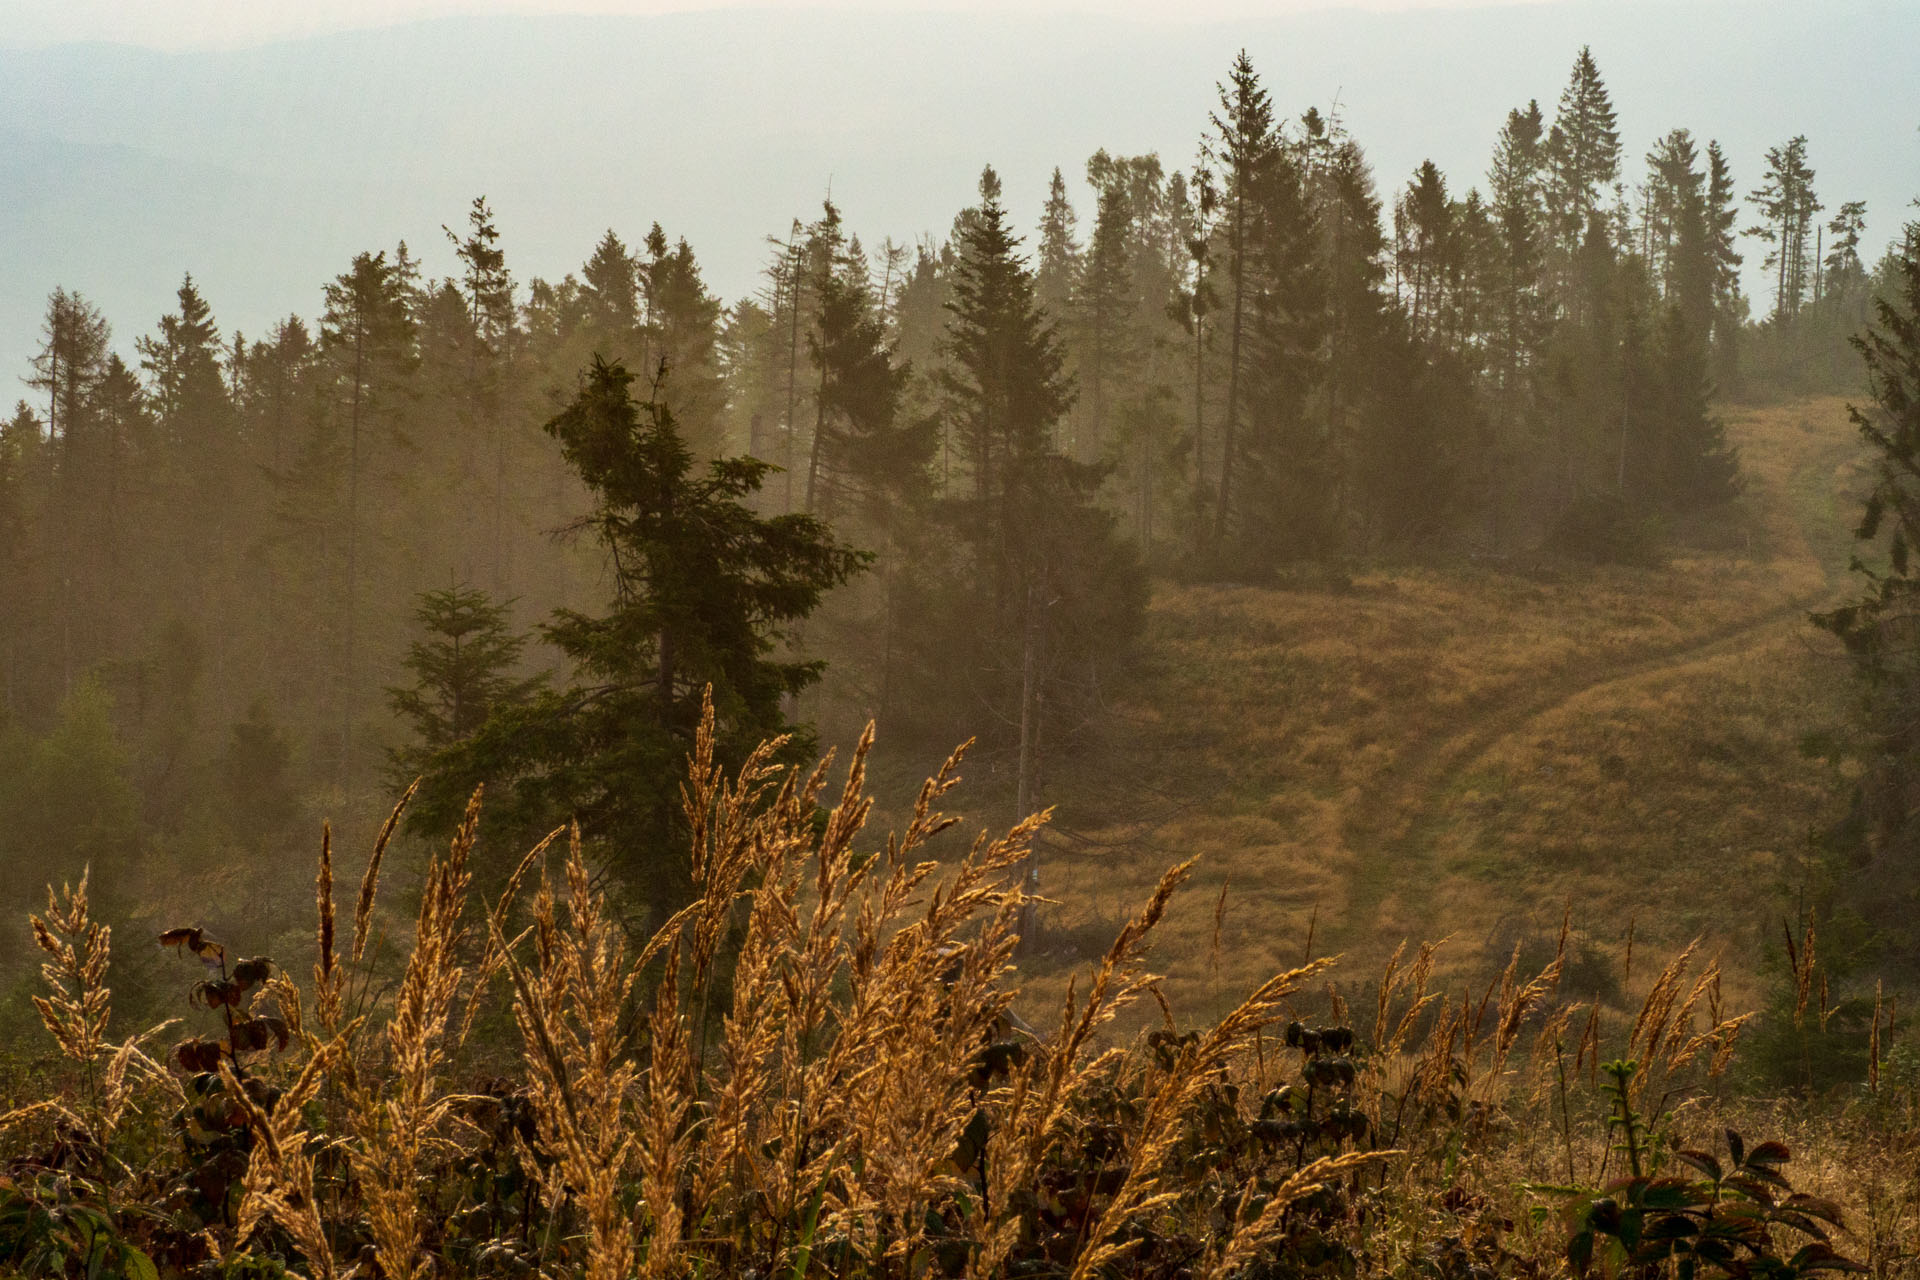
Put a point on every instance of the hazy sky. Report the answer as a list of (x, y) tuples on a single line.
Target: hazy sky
[(259, 145), (184, 24)]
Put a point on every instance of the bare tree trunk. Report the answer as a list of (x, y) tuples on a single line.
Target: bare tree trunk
[(1233, 368), (1199, 419), (793, 364), (1027, 787), (353, 564), (819, 430)]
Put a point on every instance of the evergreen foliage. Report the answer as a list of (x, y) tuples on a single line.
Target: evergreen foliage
[(1878, 627), (704, 591), (1267, 364), (463, 668)]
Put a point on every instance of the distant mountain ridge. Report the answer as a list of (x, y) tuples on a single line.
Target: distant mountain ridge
[(263, 170)]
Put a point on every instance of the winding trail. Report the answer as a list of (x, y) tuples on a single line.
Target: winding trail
[(1392, 828)]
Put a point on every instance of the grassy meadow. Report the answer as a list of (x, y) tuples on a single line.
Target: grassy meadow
[(1462, 751), (818, 1069)]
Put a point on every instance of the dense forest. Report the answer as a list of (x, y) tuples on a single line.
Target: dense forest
[(249, 576)]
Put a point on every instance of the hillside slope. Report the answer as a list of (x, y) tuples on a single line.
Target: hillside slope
[(1463, 751)]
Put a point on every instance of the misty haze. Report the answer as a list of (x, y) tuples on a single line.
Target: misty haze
[(1275, 642)]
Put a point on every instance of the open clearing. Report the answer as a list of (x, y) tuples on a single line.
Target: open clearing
[(1461, 751)]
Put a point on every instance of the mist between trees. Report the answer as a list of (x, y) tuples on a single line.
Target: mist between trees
[(489, 529)]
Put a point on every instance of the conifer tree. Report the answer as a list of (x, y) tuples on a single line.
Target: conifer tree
[(867, 453), (1283, 507), (22, 446), (124, 445), (609, 285), (1520, 316), (1695, 465), (73, 349), (1427, 262), (745, 347), (276, 389), (183, 369), (1583, 158), (1729, 307), (465, 666), (705, 591), (1673, 208), (1347, 212), (1787, 205), (1103, 311), (830, 268), (1044, 598), (1877, 627), (1057, 257), (1194, 306), (682, 331), (1008, 384), (1842, 264), (69, 368), (786, 300), (257, 776), (199, 463), (367, 335), (1241, 148), (487, 288)]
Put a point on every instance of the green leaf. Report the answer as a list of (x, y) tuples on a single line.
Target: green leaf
[(1580, 1252), (1670, 1193), (1704, 1161), (136, 1265), (1821, 1257)]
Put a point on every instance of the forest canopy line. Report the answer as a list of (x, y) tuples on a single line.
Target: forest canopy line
[(241, 568)]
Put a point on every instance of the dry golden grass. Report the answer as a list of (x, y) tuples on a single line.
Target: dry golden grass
[(1461, 750), (854, 1099)]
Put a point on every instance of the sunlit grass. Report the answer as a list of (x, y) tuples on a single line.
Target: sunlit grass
[(1462, 750)]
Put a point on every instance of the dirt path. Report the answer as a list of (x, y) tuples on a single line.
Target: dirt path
[(1392, 828)]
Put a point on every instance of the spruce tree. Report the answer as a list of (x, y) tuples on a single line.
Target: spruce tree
[(1007, 384), (1353, 256), (1194, 305), (704, 594), (69, 368), (870, 456), (487, 288), (682, 332), (1283, 507), (189, 393), (1842, 264), (1877, 627), (72, 353), (367, 336), (1729, 307), (1674, 209), (465, 667), (1040, 598), (1240, 149), (1583, 160), (22, 448), (1057, 259), (1787, 205), (1520, 316), (1426, 253), (609, 285), (257, 776), (1103, 313)]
